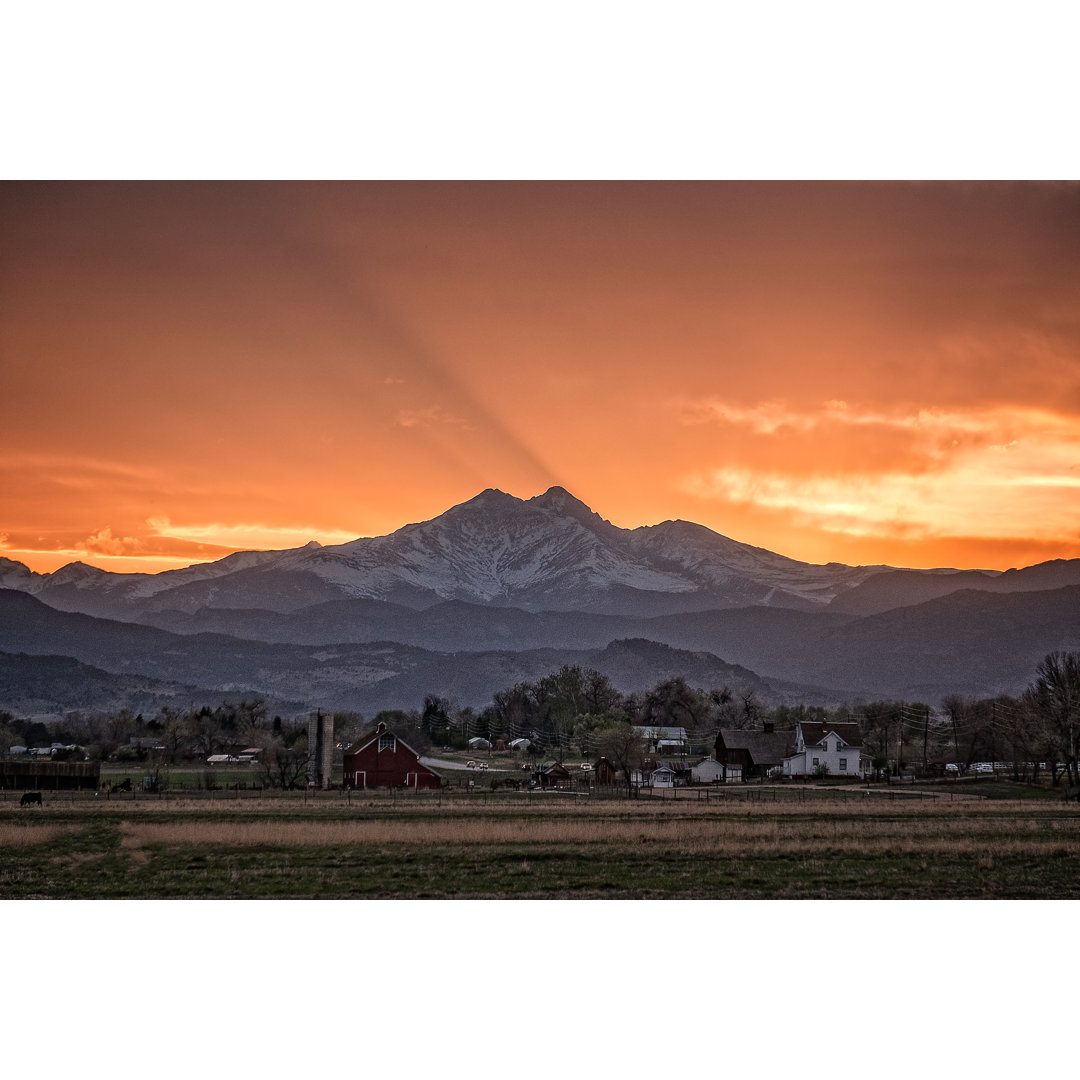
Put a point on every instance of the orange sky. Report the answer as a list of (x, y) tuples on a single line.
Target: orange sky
[(854, 372)]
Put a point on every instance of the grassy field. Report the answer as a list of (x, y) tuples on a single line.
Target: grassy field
[(429, 845)]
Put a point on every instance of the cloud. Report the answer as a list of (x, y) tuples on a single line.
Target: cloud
[(250, 536), (104, 543), (1016, 472), (431, 416)]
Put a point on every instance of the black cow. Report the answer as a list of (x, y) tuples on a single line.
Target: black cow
[(31, 798)]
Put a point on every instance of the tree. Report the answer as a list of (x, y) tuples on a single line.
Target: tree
[(588, 726), (600, 695), (283, 761), (435, 719), (1054, 699), (674, 703), (8, 736), (624, 748)]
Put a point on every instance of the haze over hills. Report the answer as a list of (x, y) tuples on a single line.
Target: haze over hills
[(379, 675), (500, 589)]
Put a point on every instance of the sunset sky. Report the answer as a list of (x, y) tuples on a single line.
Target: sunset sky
[(858, 372)]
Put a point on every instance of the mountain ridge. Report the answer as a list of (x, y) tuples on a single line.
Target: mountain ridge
[(549, 552), (373, 675), (489, 591)]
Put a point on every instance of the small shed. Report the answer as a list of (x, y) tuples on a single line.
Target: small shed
[(552, 775), (662, 777), (680, 770), (605, 773)]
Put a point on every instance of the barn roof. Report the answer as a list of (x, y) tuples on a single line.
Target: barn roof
[(764, 747), (371, 736)]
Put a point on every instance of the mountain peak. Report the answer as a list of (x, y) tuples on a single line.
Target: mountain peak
[(560, 500), (490, 497), (77, 571)]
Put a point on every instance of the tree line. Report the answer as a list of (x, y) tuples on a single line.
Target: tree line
[(579, 710)]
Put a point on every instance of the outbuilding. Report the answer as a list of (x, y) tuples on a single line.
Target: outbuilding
[(662, 777), (709, 771), (382, 759), (552, 775), (604, 772), (753, 754)]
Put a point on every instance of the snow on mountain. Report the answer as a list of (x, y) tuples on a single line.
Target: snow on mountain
[(14, 575), (550, 552), (490, 549), (554, 552), (711, 559)]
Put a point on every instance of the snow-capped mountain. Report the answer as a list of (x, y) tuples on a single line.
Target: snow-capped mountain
[(550, 552)]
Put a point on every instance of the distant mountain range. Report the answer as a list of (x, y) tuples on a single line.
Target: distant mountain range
[(500, 589), (548, 553)]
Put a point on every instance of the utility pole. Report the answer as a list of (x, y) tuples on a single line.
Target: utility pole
[(925, 735), (900, 742)]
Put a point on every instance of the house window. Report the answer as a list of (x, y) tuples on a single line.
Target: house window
[(843, 764), (815, 761), (387, 742)]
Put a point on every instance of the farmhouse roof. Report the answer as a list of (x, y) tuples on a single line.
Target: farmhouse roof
[(814, 732)]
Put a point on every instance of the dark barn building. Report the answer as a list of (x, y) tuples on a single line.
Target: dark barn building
[(50, 775), (754, 752), (381, 760)]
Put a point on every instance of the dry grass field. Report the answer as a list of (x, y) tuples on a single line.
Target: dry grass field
[(522, 846)]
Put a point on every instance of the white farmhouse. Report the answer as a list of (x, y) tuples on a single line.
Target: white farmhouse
[(836, 747)]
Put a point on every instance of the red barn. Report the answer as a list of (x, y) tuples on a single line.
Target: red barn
[(381, 759)]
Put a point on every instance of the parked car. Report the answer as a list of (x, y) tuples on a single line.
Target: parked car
[(586, 766), (470, 764), (952, 767), (482, 765)]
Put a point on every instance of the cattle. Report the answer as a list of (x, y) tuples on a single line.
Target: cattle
[(31, 798)]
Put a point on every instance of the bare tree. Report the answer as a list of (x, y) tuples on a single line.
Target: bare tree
[(1054, 698), (284, 762), (624, 748)]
